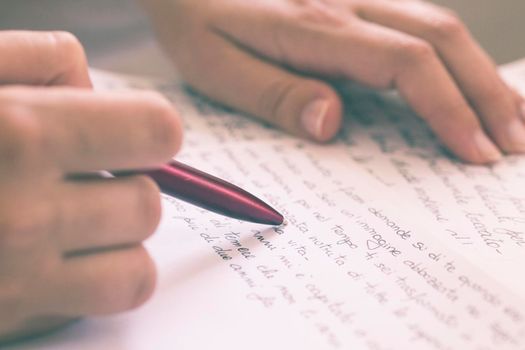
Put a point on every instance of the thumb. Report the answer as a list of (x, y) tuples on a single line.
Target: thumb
[(299, 105)]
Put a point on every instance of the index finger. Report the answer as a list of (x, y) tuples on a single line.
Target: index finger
[(81, 131), (472, 69)]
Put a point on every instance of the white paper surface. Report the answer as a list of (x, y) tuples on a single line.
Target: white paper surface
[(377, 253)]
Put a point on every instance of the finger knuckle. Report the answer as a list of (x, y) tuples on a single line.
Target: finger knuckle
[(164, 124), (66, 43), (314, 12), (68, 54), (415, 51), (129, 285), (20, 134), (282, 101), (145, 278), (272, 101), (147, 203), (445, 26)]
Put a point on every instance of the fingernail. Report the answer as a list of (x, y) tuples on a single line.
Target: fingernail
[(313, 116), (486, 148), (516, 135)]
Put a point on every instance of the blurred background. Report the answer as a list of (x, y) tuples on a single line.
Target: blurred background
[(109, 26), (499, 25)]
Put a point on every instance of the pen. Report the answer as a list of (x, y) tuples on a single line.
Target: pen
[(209, 192)]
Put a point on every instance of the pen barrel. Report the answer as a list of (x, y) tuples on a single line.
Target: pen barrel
[(209, 192)]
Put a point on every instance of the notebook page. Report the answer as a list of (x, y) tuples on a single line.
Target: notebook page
[(481, 209), (346, 271)]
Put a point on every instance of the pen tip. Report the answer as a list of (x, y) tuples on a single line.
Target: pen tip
[(276, 219), (267, 216)]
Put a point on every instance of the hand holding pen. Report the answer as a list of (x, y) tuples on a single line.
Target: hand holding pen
[(73, 248)]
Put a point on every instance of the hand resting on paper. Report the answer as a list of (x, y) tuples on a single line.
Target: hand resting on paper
[(268, 58), (72, 247)]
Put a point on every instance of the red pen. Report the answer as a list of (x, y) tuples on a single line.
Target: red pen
[(214, 194)]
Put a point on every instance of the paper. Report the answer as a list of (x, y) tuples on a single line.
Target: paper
[(360, 264), (481, 209)]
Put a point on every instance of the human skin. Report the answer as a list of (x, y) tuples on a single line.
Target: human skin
[(71, 244), (272, 60)]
